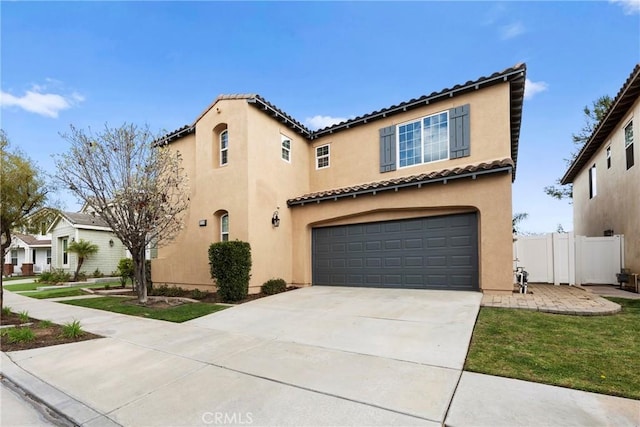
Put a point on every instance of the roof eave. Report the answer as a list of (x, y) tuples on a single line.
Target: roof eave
[(625, 98)]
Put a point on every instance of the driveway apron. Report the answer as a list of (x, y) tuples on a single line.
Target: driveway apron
[(314, 356)]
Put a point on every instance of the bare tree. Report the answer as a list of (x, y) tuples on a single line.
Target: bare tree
[(23, 191), (137, 186)]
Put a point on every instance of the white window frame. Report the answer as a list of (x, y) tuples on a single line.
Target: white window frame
[(323, 156), (285, 150), (48, 256), (14, 259), (224, 234), (65, 251), (629, 142), (224, 149), (422, 140)]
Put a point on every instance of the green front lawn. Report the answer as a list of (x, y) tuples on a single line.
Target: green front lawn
[(22, 286), (178, 314), (34, 286), (592, 353)]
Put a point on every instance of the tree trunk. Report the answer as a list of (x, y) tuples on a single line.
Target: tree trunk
[(140, 276), (75, 275), (3, 250)]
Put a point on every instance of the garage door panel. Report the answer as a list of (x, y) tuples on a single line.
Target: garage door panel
[(431, 253)]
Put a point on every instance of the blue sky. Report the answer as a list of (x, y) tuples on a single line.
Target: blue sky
[(90, 63)]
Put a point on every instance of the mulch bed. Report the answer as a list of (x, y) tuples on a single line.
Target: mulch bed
[(44, 336), (211, 297)]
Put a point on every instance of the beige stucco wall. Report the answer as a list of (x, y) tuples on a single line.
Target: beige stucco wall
[(616, 205), (257, 181), (355, 153)]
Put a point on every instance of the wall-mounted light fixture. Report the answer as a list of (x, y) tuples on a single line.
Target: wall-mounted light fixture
[(202, 223), (111, 242), (608, 233), (275, 219)]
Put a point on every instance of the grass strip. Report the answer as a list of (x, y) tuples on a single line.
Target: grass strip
[(592, 353), (177, 314)]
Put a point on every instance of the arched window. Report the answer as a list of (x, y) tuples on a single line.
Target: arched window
[(224, 147), (224, 228)]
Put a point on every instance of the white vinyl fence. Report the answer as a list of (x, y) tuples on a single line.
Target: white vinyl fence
[(564, 258)]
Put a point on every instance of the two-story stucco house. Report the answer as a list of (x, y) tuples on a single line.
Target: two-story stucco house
[(606, 175), (415, 195)]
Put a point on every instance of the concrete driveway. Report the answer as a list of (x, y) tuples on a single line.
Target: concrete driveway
[(401, 350), (315, 356)]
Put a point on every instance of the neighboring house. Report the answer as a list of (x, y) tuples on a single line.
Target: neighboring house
[(73, 226), (30, 249), (415, 195), (606, 175), (28, 254)]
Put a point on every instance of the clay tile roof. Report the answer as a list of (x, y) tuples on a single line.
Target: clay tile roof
[(32, 241), (408, 181), (627, 95), (514, 75)]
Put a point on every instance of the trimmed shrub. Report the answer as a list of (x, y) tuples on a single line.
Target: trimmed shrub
[(97, 273), (230, 264), (147, 274), (54, 276), (166, 291), (198, 294), (274, 286), (81, 277), (125, 271)]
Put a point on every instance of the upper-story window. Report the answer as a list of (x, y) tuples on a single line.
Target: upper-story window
[(628, 144), (593, 189), (224, 147), (224, 228), (285, 143), (609, 157), (322, 157), (424, 141)]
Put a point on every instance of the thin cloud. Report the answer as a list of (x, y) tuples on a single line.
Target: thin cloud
[(532, 88), (319, 122), (37, 101), (629, 6), (512, 30)]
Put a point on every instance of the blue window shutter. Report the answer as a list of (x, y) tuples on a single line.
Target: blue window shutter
[(459, 138), (388, 149)]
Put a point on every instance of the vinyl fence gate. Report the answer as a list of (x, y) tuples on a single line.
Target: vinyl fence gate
[(564, 258)]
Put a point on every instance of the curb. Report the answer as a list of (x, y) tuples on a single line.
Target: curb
[(65, 407)]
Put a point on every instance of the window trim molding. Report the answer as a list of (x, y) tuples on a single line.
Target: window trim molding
[(327, 156), (224, 133), (283, 139), (422, 140), (224, 233)]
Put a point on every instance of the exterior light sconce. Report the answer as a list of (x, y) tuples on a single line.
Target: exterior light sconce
[(608, 233), (202, 223), (275, 219), (111, 243)]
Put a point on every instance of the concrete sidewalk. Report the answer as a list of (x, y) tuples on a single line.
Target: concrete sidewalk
[(149, 372)]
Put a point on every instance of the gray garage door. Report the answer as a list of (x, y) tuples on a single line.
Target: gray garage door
[(424, 253)]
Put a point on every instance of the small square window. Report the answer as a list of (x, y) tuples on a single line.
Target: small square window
[(322, 157)]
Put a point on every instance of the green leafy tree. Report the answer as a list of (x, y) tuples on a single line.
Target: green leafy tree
[(133, 180), (592, 116), (23, 191), (516, 220), (83, 249)]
